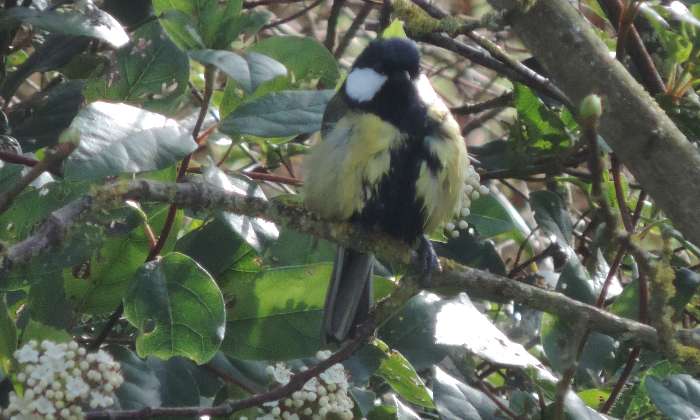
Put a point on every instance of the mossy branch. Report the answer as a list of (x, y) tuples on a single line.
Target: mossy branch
[(453, 279)]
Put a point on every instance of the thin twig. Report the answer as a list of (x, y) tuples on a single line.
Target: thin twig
[(352, 30), (635, 46), (479, 56), (255, 3), (209, 73), (497, 102), (292, 16), (10, 157), (295, 383), (337, 6), (616, 168), (52, 160)]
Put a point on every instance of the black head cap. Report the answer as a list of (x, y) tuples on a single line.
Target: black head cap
[(393, 55)]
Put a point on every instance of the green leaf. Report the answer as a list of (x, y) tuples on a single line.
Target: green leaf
[(482, 338), (412, 332), (279, 114), (249, 71), (551, 215), (306, 58), (395, 30), (255, 231), (92, 22), (469, 250), (491, 217), (141, 387), (33, 205), (47, 301), (634, 402), (277, 314), (543, 129), (39, 123), (8, 336), (457, 400), (119, 138), (594, 397), (151, 72), (216, 248), (677, 396), (178, 309), (403, 379), (112, 268), (9, 175), (181, 29), (293, 248), (37, 331)]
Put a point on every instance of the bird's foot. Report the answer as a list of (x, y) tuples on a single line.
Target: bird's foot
[(428, 261)]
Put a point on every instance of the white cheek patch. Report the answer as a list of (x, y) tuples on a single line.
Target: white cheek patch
[(362, 84)]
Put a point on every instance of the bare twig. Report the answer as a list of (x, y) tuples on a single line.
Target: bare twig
[(295, 383), (479, 56), (209, 73), (53, 158), (333, 23), (352, 30), (292, 16), (497, 102), (10, 157)]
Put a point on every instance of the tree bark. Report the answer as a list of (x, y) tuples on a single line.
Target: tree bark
[(656, 152)]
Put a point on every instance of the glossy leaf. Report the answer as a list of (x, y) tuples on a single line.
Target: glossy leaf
[(306, 58), (403, 379), (457, 400), (39, 123), (277, 314), (279, 114), (551, 215), (119, 138), (90, 21), (178, 309), (481, 338), (151, 72), (249, 71), (256, 232), (412, 332), (677, 396), (111, 270)]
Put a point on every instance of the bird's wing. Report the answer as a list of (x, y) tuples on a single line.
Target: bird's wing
[(343, 170)]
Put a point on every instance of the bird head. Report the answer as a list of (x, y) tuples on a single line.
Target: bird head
[(393, 60)]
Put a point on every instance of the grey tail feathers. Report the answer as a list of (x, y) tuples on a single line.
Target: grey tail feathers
[(349, 294)]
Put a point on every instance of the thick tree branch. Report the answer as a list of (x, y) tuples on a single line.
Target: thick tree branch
[(637, 129), (453, 279)]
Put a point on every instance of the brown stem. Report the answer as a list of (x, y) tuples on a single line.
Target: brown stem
[(292, 16), (619, 194), (337, 6), (52, 160), (295, 383), (352, 30), (209, 73), (497, 102), (10, 157)]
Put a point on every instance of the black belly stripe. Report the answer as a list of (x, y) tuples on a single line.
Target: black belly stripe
[(394, 207)]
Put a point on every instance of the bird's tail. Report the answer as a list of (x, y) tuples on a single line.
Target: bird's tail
[(349, 294)]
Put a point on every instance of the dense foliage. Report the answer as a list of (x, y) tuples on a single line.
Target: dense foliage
[(202, 306)]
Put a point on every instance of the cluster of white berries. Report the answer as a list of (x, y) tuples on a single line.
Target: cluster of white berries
[(325, 396), (59, 381), (471, 191)]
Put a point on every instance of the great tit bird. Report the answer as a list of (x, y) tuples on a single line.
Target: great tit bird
[(391, 158)]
